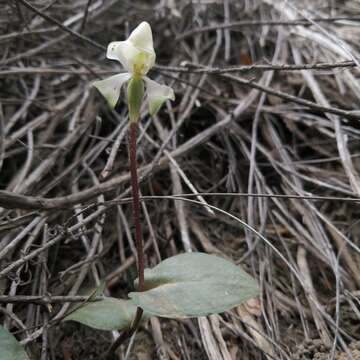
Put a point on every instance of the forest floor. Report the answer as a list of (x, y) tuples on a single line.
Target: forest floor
[(265, 127)]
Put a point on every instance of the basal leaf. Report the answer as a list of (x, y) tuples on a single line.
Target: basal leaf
[(192, 285), (108, 314), (10, 348)]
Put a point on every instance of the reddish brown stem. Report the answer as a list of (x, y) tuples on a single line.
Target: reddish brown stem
[(125, 335), (136, 203), (138, 237)]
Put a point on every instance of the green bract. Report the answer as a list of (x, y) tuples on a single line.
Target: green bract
[(135, 96), (137, 55)]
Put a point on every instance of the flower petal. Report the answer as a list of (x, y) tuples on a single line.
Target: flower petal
[(157, 94), (141, 37), (123, 51), (110, 87)]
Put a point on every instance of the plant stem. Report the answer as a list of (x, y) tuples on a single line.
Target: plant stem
[(136, 203), (133, 127), (125, 335)]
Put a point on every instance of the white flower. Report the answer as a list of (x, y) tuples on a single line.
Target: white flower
[(137, 56)]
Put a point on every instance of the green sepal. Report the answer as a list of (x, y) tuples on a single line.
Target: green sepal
[(135, 97)]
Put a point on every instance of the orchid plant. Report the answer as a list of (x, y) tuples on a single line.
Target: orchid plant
[(182, 286), (137, 56)]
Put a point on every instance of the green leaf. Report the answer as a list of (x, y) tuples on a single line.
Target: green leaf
[(192, 285), (10, 348), (108, 314)]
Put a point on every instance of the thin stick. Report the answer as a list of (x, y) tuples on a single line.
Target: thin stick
[(257, 23), (62, 26), (45, 300)]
